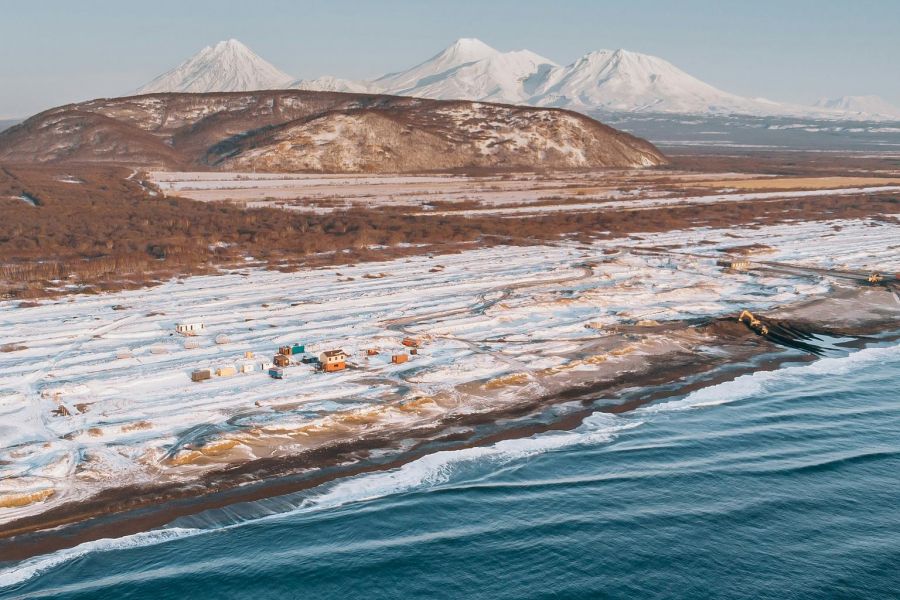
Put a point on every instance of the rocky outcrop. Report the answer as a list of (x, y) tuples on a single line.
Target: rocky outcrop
[(297, 131)]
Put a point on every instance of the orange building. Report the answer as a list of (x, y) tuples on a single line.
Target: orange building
[(333, 360)]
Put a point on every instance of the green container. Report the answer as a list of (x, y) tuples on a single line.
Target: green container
[(298, 349)]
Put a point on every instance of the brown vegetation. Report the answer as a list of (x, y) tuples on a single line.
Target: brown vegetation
[(110, 233)]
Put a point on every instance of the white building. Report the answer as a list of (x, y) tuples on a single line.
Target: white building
[(189, 328)]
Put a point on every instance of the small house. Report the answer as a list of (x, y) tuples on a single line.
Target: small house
[(398, 359), (333, 360), (276, 373), (191, 344), (411, 342), (281, 360), (189, 328), (265, 365), (225, 371), (248, 354), (246, 367), (201, 375), (286, 350), (371, 352)]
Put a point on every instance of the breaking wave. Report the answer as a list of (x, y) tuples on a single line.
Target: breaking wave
[(35, 566), (752, 384), (440, 467)]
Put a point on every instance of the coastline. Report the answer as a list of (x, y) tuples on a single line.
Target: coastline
[(126, 510)]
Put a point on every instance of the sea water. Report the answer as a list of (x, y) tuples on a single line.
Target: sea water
[(779, 484)]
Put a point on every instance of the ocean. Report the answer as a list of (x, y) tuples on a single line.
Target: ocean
[(778, 484)]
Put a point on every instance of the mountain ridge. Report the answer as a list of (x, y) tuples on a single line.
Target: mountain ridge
[(603, 80)]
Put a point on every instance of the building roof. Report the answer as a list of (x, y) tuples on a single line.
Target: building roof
[(330, 353)]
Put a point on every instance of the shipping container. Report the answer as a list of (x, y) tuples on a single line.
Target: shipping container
[(276, 373), (399, 358), (298, 349), (201, 375), (225, 371)]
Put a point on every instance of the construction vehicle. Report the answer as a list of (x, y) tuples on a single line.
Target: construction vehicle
[(747, 317)]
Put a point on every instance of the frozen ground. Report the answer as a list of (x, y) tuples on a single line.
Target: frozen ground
[(496, 316), (520, 193)]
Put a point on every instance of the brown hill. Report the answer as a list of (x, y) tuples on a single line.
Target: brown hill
[(319, 132)]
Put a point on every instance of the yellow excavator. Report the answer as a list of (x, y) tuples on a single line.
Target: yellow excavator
[(755, 324)]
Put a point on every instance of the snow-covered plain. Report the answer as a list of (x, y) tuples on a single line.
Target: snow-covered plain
[(522, 194), (492, 315)]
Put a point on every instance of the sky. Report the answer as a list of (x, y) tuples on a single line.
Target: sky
[(54, 52)]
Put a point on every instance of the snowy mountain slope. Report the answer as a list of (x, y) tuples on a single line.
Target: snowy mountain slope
[(462, 52), (862, 105), (496, 78), (327, 83), (229, 66)]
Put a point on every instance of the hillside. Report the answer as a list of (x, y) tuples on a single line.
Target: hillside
[(319, 132)]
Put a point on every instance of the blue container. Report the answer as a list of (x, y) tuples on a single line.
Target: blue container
[(276, 373)]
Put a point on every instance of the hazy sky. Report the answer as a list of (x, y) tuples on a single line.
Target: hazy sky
[(53, 52)]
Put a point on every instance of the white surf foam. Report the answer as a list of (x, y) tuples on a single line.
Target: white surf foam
[(440, 467), (33, 567), (753, 384)]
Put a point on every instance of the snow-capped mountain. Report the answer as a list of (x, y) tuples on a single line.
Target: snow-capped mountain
[(499, 77), (229, 66), (861, 105), (469, 69), (623, 81)]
